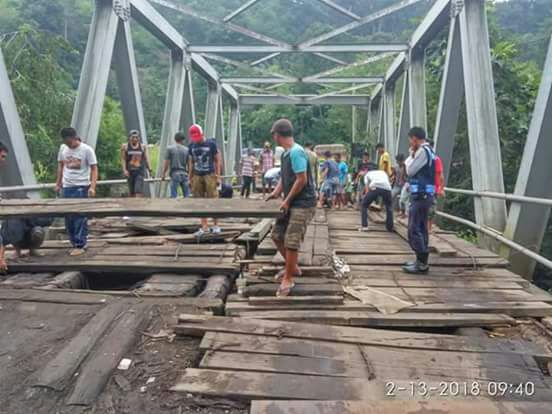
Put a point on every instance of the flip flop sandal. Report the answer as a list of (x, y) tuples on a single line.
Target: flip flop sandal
[(283, 292), (281, 273)]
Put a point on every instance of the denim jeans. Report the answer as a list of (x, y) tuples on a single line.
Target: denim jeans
[(246, 186), (76, 224), (180, 179), (372, 196), (418, 236)]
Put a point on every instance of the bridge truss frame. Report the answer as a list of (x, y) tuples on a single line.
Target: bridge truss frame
[(467, 76)]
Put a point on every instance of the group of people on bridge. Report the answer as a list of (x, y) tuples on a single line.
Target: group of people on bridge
[(300, 184)]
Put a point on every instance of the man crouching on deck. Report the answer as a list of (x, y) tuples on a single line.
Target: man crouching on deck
[(299, 203)]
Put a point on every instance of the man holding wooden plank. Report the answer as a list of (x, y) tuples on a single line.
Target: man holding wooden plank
[(299, 204)]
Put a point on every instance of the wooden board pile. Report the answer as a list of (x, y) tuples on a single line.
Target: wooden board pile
[(261, 359)]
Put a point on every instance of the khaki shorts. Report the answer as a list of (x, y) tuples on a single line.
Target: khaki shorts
[(204, 186), (292, 227)]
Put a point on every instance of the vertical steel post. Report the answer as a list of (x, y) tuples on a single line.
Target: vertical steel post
[(404, 120), (96, 66), (389, 117), (527, 223), (486, 161), (233, 140), (417, 89), (450, 100), (173, 107), (19, 168)]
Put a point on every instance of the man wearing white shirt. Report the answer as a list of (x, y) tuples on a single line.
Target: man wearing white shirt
[(376, 184)]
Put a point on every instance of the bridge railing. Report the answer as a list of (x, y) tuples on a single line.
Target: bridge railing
[(493, 233)]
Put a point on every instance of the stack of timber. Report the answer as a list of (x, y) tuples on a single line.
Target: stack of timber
[(261, 359)]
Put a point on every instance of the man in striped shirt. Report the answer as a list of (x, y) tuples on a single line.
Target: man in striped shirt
[(247, 172), (267, 163)]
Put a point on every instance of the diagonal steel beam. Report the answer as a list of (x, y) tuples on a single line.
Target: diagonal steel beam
[(242, 65), (264, 59), (363, 21), (218, 22), (349, 66), (341, 91), (239, 10), (340, 9), (260, 90), (144, 13)]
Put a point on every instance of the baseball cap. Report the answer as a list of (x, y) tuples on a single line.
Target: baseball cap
[(196, 133)]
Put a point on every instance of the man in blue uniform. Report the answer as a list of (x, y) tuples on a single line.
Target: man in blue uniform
[(420, 169)]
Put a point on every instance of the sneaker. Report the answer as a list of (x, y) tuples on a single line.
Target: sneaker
[(215, 230), (363, 229), (416, 269), (200, 233), (77, 252)]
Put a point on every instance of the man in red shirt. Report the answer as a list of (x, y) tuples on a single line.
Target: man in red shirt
[(439, 185)]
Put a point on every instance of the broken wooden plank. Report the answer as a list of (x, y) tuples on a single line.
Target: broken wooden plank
[(267, 289), (99, 365), (156, 207), (394, 407), (70, 264), (515, 309), (283, 364), (397, 260), (255, 385), (57, 373), (384, 363), (295, 300), (376, 319), (68, 297), (197, 325)]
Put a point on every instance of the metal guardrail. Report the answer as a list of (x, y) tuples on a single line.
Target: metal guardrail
[(501, 196), (493, 233), (51, 186), (497, 236)]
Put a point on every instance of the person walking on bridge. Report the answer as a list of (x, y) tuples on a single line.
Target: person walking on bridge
[(298, 206), (420, 168), (77, 176), (135, 161), (176, 164), (205, 166)]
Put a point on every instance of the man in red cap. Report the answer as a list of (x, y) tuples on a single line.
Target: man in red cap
[(204, 168)]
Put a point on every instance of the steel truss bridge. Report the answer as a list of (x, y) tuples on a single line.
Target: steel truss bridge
[(468, 77)]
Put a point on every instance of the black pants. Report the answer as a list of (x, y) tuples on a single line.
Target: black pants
[(372, 196), (418, 235), (246, 185)]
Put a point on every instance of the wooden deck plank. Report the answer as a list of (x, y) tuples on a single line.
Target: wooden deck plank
[(156, 207), (268, 289), (394, 407), (255, 385), (194, 324), (377, 319)]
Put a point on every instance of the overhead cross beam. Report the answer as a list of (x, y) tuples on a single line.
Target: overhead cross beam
[(366, 47), (278, 80), (358, 100), (348, 66)]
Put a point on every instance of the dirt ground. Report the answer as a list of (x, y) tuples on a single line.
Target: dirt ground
[(32, 333), (164, 361)]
